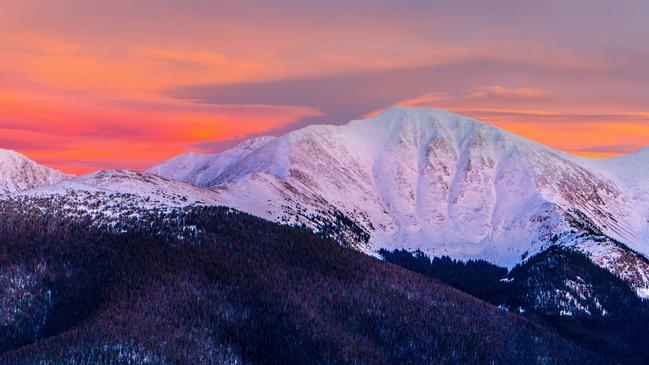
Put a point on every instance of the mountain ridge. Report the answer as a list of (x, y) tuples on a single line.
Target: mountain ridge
[(412, 178), (419, 178)]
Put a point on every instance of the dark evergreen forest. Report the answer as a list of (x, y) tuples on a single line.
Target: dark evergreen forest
[(213, 286), (607, 318)]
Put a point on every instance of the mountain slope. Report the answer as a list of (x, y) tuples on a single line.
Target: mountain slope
[(151, 189), (247, 292), (426, 179), (632, 172), (19, 173), (111, 199)]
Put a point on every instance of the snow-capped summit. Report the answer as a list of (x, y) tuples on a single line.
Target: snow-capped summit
[(439, 180), (19, 173), (428, 179), (198, 169)]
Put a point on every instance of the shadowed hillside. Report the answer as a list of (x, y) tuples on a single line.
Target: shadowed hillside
[(210, 285)]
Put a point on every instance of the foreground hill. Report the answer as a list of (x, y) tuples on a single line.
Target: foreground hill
[(242, 291)]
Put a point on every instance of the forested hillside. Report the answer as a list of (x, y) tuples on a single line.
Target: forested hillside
[(560, 289), (237, 290)]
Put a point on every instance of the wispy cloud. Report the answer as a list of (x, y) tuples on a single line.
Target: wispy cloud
[(500, 91)]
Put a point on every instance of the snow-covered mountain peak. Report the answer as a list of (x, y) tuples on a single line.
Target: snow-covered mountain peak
[(421, 121), (423, 118), (19, 173), (421, 178), (407, 127), (413, 176), (197, 168), (255, 142)]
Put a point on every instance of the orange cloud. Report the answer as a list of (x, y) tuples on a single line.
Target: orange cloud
[(503, 91), (581, 133), (133, 135), (85, 84)]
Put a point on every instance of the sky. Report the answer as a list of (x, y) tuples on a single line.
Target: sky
[(93, 84)]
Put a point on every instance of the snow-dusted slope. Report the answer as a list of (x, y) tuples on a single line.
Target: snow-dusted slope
[(151, 189), (199, 169), (125, 187), (19, 173), (113, 198), (631, 173), (433, 180)]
